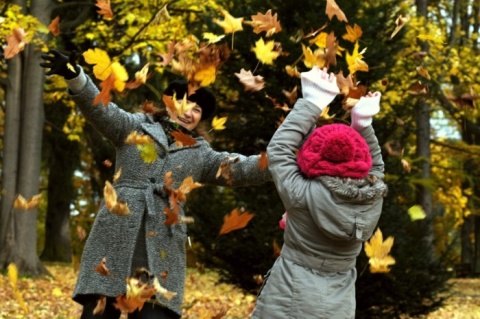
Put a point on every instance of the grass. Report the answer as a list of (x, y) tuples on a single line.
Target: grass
[(205, 298)]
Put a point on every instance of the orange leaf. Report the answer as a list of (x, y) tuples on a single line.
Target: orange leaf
[(172, 216), (182, 139), (21, 203), (334, 10), (249, 81), (15, 43), (107, 86), (100, 307), (104, 8), (54, 26), (102, 269), (129, 305), (263, 161), (237, 219), (265, 22)]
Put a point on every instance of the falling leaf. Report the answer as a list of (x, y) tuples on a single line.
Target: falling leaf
[(104, 97), (355, 60), (168, 295), (24, 204), (406, 166), (263, 161), (353, 33), (168, 57), (292, 71), (212, 38), (249, 81), (418, 88), (112, 203), (236, 219), (104, 8), (104, 67), (138, 138), (230, 24), (116, 176), (102, 269), (162, 16), (100, 307), (218, 123), (183, 139), (400, 23), (140, 78), (148, 153), (416, 212), (172, 216), (378, 252), (183, 106), (265, 22), (54, 26), (422, 71), (107, 163), (13, 276), (225, 170), (205, 74), (276, 249), (333, 9), (394, 148), (291, 95), (265, 51), (15, 43)]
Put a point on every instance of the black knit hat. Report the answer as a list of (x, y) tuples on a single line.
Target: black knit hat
[(203, 97)]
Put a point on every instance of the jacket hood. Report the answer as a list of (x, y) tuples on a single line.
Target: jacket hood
[(361, 190)]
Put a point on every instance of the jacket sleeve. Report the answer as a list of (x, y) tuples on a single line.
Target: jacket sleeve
[(232, 169), (110, 120), (282, 150), (377, 169)]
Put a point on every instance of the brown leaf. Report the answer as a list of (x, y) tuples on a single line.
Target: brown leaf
[(265, 22), (183, 139), (107, 86), (24, 204), (236, 219), (249, 81), (104, 8), (102, 269), (400, 23), (54, 26), (292, 96), (334, 10), (100, 307), (15, 43)]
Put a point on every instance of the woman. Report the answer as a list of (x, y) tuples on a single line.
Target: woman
[(333, 193), (142, 239)]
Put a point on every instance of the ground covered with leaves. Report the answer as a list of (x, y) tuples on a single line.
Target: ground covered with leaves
[(206, 297)]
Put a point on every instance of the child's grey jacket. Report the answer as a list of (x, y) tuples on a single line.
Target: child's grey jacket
[(141, 186), (328, 220)]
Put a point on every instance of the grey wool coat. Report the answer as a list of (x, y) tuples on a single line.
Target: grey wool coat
[(328, 220), (114, 237)]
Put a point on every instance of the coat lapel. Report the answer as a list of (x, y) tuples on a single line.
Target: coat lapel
[(156, 132)]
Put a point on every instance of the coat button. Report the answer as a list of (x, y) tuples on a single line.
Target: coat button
[(152, 179)]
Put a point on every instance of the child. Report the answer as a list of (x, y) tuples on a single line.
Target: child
[(333, 192)]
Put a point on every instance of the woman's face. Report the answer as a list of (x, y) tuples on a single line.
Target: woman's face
[(189, 119)]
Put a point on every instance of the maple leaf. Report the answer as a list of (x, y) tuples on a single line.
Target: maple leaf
[(355, 62), (168, 57), (183, 106), (291, 95), (265, 51), (169, 295), (353, 33), (225, 170), (183, 139), (320, 40), (205, 75), (140, 78), (104, 67), (418, 88), (104, 9), (148, 153), (102, 269), (265, 22), (400, 23), (107, 86), (331, 50), (15, 43), (378, 251), (172, 216), (263, 161), (333, 9), (138, 138), (112, 203), (236, 219), (311, 58), (212, 38), (249, 81), (188, 185), (54, 26), (230, 24), (218, 123), (292, 71), (24, 204)]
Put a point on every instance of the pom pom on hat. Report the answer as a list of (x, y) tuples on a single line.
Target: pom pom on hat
[(335, 150), (203, 97)]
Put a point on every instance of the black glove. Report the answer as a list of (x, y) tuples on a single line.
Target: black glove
[(60, 64)]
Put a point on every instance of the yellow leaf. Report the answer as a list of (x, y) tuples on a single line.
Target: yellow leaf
[(121, 76), (230, 24), (212, 38), (265, 51), (378, 252), (355, 62), (148, 153), (57, 292), (102, 63), (183, 106), (219, 123), (13, 275), (416, 212), (320, 40), (311, 59), (206, 75)]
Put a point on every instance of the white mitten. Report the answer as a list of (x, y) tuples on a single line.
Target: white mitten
[(364, 110), (319, 87)]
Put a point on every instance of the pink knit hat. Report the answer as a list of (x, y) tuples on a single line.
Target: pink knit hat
[(335, 150)]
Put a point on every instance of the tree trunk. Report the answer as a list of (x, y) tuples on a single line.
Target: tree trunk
[(21, 247)]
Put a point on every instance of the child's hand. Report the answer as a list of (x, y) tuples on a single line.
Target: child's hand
[(319, 87), (365, 109)]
